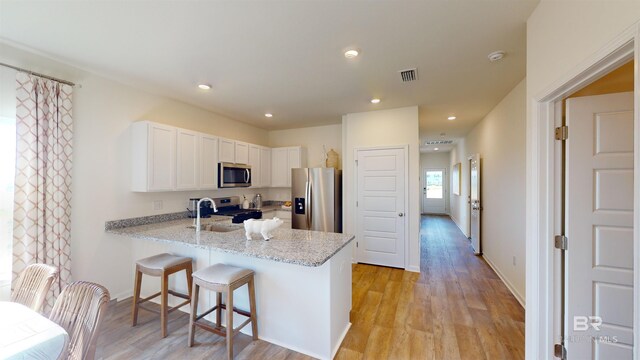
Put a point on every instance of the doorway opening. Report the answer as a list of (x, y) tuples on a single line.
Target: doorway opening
[(435, 191)]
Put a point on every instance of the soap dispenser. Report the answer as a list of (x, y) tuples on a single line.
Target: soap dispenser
[(245, 202)]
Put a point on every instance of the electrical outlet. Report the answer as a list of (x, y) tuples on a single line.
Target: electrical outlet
[(157, 205), (514, 261)]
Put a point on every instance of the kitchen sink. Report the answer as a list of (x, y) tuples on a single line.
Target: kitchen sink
[(218, 227)]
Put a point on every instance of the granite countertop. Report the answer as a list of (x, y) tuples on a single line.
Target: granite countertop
[(274, 208), (301, 247)]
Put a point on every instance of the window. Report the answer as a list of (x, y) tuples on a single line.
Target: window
[(435, 189), (7, 170)]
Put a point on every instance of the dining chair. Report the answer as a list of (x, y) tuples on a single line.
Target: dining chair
[(80, 309), (32, 285)]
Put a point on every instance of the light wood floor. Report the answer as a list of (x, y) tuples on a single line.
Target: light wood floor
[(455, 308)]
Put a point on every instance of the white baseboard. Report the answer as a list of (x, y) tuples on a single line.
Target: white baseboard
[(290, 347), (123, 295), (507, 283), (457, 222), (337, 347), (413, 268)]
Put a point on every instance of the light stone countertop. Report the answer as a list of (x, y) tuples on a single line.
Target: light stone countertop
[(300, 247)]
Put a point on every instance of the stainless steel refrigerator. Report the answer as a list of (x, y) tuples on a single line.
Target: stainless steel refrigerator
[(317, 199)]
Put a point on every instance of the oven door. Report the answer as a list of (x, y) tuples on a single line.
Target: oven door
[(233, 175)]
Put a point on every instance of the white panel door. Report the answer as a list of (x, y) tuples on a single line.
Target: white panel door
[(227, 150), (188, 166), (208, 162), (265, 166), (599, 211), (256, 166), (382, 181), (434, 191), (475, 204), (161, 157)]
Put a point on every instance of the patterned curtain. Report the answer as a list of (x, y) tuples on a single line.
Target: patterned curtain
[(42, 205)]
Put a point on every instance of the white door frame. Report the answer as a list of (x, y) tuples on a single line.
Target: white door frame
[(445, 188), (543, 194), (405, 149)]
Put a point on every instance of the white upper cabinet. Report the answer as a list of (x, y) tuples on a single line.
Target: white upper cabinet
[(187, 164), (208, 162), (242, 153), (265, 167), (256, 166), (153, 157), (282, 161), (227, 150)]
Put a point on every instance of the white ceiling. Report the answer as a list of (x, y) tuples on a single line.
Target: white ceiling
[(286, 57)]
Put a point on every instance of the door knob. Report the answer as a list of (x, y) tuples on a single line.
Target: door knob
[(401, 214)]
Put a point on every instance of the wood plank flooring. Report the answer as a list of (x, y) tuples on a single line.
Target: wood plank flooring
[(455, 308)]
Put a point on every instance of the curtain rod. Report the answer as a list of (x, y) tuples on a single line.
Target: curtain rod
[(38, 74)]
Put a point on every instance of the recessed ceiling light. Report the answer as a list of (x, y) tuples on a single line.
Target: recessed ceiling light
[(496, 55), (268, 115), (375, 101), (204, 86), (451, 118), (436, 149), (350, 54)]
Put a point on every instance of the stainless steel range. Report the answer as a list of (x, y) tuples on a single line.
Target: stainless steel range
[(231, 206)]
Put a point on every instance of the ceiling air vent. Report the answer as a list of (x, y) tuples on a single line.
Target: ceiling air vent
[(438, 142), (409, 75)]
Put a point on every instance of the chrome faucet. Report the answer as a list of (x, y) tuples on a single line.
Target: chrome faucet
[(197, 219)]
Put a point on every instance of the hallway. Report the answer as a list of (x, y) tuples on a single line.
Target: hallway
[(455, 308)]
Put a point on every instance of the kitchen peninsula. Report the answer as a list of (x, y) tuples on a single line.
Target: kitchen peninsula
[(303, 278)]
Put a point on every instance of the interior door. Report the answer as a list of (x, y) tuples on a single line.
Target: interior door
[(434, 191), (599, 213), (381, 221), (475, 204)]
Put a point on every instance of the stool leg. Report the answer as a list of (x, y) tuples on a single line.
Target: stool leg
[(164, 295), (189, 271), (194, 314), (252, 309), (229, 324), (218, 310), (136, 297)]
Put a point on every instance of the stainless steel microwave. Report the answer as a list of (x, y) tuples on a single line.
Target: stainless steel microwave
[(232, 175)]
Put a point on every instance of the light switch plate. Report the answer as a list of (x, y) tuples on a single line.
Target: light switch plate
[(157, 205)]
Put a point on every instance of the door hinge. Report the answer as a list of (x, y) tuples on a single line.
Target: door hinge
[(356, 204), (561, 242), (562, 133), (356, 244), (560, 351)]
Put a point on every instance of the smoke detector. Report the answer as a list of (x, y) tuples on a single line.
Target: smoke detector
[(409, 75), (496, 55)]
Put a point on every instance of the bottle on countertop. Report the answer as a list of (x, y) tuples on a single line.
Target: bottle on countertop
[(257, 201), (245, 202)]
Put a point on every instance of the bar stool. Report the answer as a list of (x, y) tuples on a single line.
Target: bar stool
[(161, 265), (223, 279)]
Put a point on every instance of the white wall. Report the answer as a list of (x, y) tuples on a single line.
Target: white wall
[(313, 139), (433, 160), (384, 128), (103, 111), (500, 140)]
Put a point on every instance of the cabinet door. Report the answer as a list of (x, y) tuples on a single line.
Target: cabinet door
[(161, 159), (294, 158), (280, 171), (208, 162), (227, 150), (265, 167), (187, 165), (242, 153), (256, 166)]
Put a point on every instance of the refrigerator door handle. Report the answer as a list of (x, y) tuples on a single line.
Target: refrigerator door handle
[(310, 205), (307, 195)]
